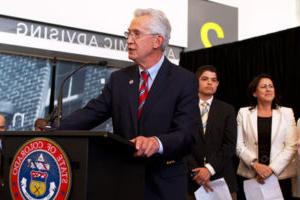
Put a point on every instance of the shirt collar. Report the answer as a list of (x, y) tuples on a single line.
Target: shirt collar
[(153, 70), (209, 101)]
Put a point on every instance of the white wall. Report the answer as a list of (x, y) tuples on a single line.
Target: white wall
[(259, 17), (107, 16), (256, 17)]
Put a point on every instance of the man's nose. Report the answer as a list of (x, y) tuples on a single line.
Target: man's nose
[(130, 40)]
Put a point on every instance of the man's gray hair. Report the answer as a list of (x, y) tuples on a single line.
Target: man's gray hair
[(159, 23)]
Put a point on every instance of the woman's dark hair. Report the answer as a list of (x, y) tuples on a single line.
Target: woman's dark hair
[(252, 88)]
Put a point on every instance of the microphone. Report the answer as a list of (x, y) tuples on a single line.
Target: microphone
[(56, 115)]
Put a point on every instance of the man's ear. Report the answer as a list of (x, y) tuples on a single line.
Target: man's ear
[(158, 41)]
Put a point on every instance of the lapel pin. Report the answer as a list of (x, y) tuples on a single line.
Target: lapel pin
[(130, 82)]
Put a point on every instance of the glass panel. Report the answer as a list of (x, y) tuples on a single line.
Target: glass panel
[(24, 89), (81, 87)]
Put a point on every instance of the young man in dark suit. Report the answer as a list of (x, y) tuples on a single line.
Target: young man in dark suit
[(153, 103), (212, 154)]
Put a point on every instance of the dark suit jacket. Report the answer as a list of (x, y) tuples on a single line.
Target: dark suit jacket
[(217, 145), (170, 112)]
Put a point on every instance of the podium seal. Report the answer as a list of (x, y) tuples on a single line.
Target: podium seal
[(40, 170)]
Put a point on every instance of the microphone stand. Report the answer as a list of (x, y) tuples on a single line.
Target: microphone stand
[(56, 115)]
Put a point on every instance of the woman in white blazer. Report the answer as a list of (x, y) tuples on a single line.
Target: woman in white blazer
[(267, 136)]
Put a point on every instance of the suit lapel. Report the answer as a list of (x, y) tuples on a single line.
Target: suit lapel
[(159, 85), (133, 94), (276, 116), (253, 123)]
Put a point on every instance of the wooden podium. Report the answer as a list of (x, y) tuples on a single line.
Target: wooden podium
[(102, 164)]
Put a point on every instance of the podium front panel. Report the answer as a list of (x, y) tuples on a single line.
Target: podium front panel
[(102, 166)]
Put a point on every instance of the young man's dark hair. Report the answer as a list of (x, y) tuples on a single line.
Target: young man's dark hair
[(204, 68)]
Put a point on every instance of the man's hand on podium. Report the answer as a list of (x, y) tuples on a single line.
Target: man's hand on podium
[(145, 146)]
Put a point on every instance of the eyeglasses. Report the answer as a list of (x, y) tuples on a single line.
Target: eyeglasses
[(135, 34)]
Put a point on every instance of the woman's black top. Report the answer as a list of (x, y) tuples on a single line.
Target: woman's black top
[(264, 127)]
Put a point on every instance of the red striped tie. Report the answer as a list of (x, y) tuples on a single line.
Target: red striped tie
[(143, 91)]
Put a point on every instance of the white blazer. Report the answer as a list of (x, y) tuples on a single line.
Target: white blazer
[(296, 180), (283, 142)]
